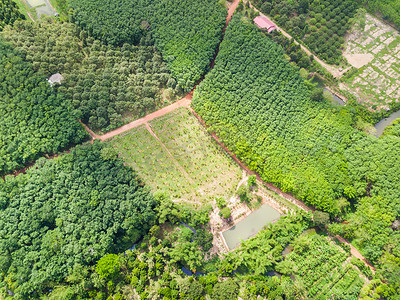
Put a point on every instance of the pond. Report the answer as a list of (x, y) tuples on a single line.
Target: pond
[(250, 226), (335, 98), (382, 124)]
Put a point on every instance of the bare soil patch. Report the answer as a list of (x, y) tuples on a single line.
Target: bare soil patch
[(358, 60)]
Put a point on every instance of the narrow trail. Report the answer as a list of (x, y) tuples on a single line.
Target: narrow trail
[(231, 11), (356, 253)]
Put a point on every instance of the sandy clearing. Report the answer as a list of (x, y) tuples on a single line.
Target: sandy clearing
[(358, 60)]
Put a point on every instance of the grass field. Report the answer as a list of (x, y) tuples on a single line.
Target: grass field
[(190, 167), (374, 49)]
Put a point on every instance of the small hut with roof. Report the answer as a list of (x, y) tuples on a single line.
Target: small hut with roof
[(264, 23)]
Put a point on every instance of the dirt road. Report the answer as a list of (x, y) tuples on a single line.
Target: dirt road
[(231, 10), (356, 253), (184, 102)]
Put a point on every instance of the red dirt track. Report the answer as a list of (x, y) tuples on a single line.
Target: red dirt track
[(184, 102)]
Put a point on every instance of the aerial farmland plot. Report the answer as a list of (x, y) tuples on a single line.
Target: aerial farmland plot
[(375, 51), (180, 159)]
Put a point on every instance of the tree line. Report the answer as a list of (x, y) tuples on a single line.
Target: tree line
[(186, 33), (389, 9), (9, 13)]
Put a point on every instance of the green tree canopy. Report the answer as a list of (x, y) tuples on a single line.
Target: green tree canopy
[(70, 210), (187, 32), (35, 118)]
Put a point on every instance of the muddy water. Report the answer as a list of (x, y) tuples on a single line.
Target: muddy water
[(336, 99), (380, 127), (250, 226)]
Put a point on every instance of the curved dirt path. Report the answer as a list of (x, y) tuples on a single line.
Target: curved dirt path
[(356, 253), (231, 10)]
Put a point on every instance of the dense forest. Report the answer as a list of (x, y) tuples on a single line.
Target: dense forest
[(107, 85), (187, 33), (296, 142), (9, 13), (262, 110), (65, 214), (319, 24), (35, 118), (154, 268)]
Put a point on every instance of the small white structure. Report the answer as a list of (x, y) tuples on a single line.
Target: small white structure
[(55, 78)]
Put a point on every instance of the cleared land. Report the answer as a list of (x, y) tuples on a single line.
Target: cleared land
[(180, 158), (375, 50)]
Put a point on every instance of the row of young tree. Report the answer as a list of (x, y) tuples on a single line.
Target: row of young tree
[(9, 13), (320, 24), (65, 214), (107, 85), (35, 118), (187, 33), (262, 110)]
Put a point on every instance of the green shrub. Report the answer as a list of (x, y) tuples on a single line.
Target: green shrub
[(243, 193), (221, 202), (226, 290), (225, 213), (321, 219), (252, 181)]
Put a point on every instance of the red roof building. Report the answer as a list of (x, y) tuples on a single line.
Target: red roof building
[(265, 23)]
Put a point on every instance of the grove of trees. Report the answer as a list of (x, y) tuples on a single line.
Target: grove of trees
[(106, 85), (319, 24), (389, 9), (9, 13), (65, 214), (187, 33), (35, 118)]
